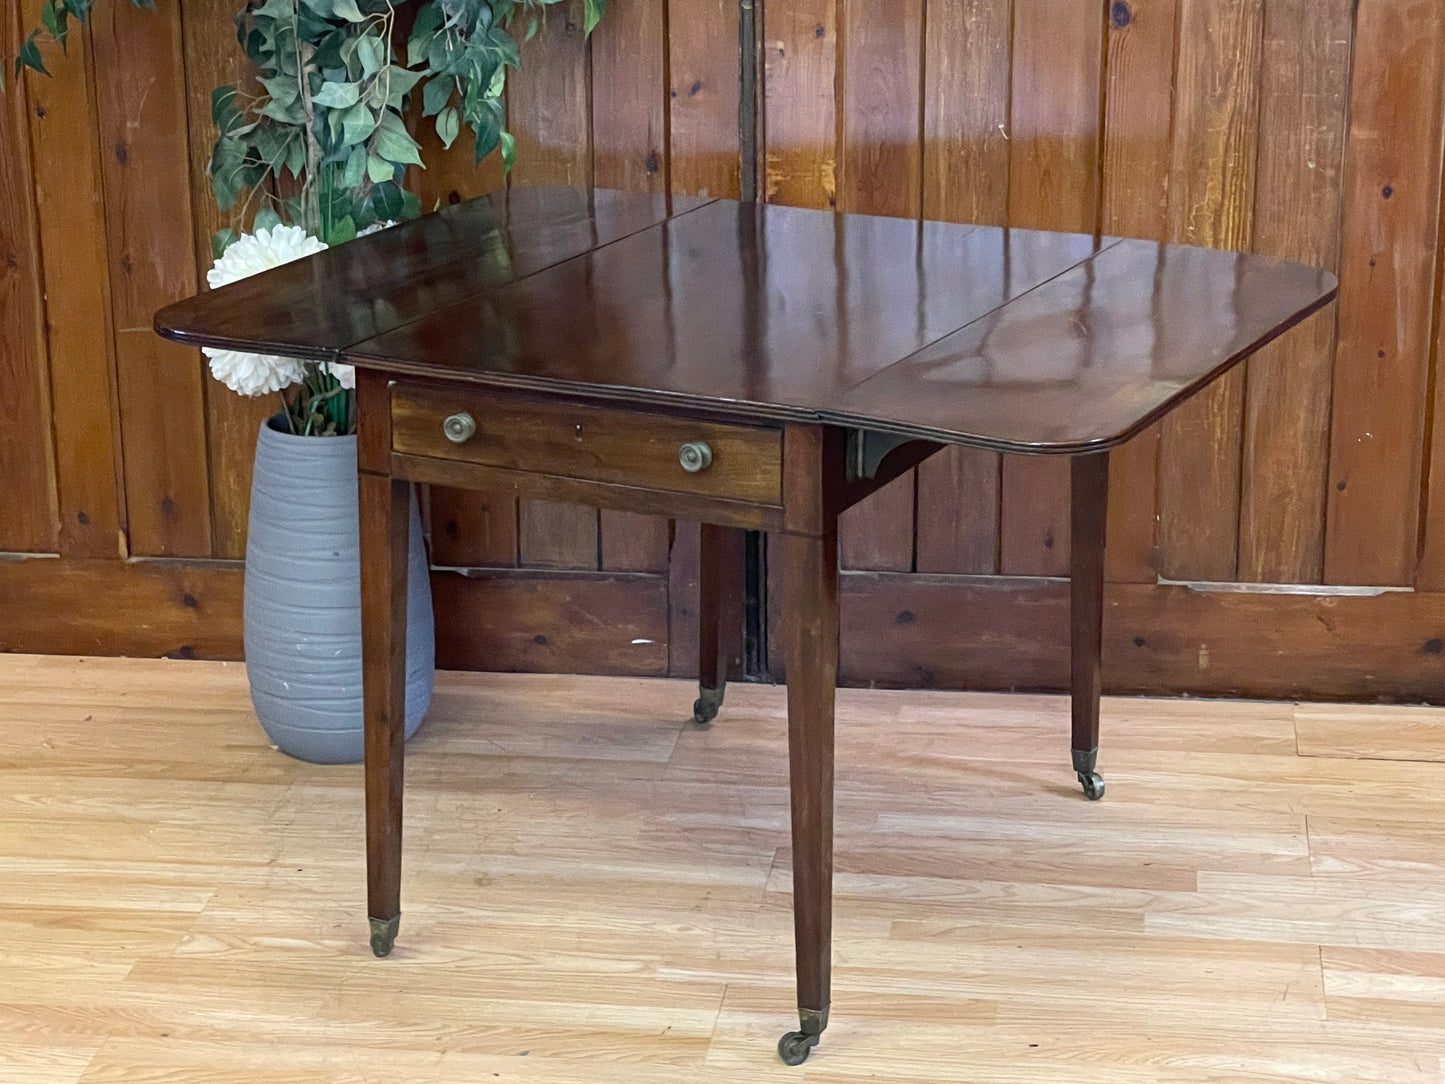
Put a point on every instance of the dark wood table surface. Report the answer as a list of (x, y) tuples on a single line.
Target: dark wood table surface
[(752, 367)]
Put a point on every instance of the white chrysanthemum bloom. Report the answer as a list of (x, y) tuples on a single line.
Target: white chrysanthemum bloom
[(258, 374), (346, 374)]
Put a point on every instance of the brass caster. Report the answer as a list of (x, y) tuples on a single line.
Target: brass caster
[(795, 1046), (704, 708), (1093, 784), (383, 934)]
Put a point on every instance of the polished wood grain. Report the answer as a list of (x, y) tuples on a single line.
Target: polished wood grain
[(1139, 95), (75, 279), (231, 421), (1088, 520), (880, 161), (383, 506), (591, 443), (166, 469), (1014, 340), (168, 910), (1392, 200), (720, 612), (1053, 184), (30, 518), (389, 279), (1305, 70), (1211, 199)]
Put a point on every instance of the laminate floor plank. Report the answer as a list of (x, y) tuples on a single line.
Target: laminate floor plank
[(596, 891)]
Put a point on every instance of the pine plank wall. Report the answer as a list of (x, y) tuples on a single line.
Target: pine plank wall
[(1282, 535)]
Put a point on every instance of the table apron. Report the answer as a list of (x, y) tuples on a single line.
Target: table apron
[(609, 495)]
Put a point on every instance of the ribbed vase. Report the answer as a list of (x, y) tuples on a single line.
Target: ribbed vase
[(303, 599)]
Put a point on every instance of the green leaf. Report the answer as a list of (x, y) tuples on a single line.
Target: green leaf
[(355, 169), (276, 9), (266, 219), (394, 142), (220, 241), (449, 126), (341, 232), (29, 55), (347, 9), (592, 12), (436, 94), (337, 95), (357, 124), (379, 169), (509, 151), (388, 201), (372, 55), (56, 20)]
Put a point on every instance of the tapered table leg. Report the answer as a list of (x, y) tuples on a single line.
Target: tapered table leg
[(810, 593), (1088, 515), (720, 616), (384, 537)]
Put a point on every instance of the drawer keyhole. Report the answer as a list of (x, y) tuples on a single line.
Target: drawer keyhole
[(460, 428), (694, 456)]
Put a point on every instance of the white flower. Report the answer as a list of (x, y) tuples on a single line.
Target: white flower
[(258, 374)]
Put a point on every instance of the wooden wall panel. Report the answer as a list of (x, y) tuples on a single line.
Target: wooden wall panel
[(232, 421), (548, 111), (467, 528), (1391, 218), (880, 172), (1138, 131), (629, 147), (1211, 195), (1303, 97), (966, 75), (1054, 148), (703, 91), (800, 118), (27, 474), (70, 210), (141, 91), (1300, 128)]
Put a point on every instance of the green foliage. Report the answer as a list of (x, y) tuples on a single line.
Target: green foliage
[(320, 137)]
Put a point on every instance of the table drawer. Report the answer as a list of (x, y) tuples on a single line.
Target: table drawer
[(598, 444)]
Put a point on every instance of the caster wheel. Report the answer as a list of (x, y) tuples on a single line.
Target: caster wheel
[(795, 1046), (383, 935), (704, 708), (1093, 785)]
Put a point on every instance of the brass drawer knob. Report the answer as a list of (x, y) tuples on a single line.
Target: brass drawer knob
[(460, 428), (694, 456)]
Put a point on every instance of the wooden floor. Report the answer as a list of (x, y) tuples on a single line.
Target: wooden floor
[(598, 892)]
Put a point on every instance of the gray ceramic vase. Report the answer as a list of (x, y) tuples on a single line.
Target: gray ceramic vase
[(303, 599)]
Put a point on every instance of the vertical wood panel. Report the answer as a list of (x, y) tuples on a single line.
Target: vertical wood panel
[(547, 110), (629, 145), (629, 97), (212, 59), (704, 63), (71, 218), (467, 528), (1138, 125), (966, 70), (1211, 193), (1306, 74), (1053, 184), (800, 55), (27, 475), (140, 79), (1392, 201), (881, 173)]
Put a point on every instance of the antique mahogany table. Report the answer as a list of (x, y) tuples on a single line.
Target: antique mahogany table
[(751, 367)]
